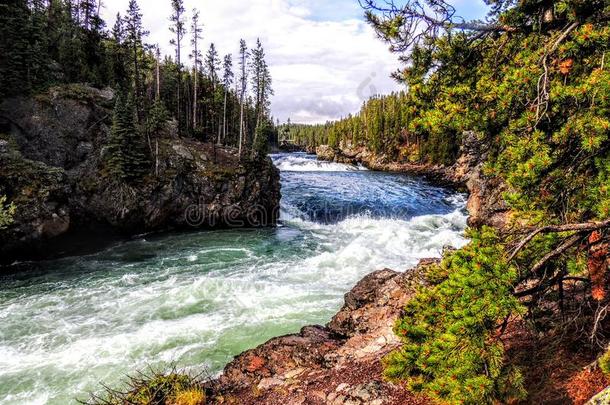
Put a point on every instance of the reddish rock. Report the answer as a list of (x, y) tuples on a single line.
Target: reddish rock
[(336, 364)]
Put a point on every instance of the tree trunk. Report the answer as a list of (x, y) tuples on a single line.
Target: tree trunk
[(224, 119), (241, 127), (195, 95), (158, 79)]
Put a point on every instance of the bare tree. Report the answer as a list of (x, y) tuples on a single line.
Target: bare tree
[(177, 28), (196, 31)]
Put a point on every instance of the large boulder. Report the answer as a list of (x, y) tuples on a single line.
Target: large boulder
[(52, 167)]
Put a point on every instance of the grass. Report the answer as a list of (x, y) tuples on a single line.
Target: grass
[(155, 388)]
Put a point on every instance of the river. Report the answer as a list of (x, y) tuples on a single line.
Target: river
[(197, 299)]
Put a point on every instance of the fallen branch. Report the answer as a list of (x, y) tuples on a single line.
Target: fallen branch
[(580, 228), (569, 243)]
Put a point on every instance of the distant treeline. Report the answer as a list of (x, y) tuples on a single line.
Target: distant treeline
[(393, 124)]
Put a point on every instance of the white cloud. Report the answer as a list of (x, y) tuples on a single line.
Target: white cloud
[(323, 68)]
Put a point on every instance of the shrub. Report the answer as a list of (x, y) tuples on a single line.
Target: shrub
[(6, 213), (451, 348), (604, 363), (193, 396), (172, 388)]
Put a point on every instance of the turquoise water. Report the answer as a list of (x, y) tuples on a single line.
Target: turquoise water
[(197, 299)]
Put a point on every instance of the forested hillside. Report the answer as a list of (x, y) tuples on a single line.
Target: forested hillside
[(218, 99), (91, 115)]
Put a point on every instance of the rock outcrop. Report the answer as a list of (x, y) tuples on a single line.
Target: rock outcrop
[(336, 364), (52, 167), (486, 205)]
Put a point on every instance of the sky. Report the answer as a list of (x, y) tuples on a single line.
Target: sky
[(325, 61)]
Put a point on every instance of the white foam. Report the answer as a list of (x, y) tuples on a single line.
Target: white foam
[(296, 163)]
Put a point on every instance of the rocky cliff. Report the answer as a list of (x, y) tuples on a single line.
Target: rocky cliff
[(52, 154)]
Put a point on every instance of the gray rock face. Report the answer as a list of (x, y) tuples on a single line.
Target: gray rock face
[(52, 167)]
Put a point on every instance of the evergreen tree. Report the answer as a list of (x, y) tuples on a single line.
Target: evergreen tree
[(156, 120), (212, 65), (127, 158), (243, 67), (261, 82), (15, 51), (227, 81), (134, 34), (117, 53), (179, 30)]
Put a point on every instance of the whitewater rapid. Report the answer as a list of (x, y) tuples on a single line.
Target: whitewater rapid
[(195, 300)]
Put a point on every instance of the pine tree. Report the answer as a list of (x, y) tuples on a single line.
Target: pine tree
[(261, 82), (178, 29), (117, 54), (227, 80), (134, 41), (212, 65), (115, 155), (156, 120), (16, 55), (243, 66), (127, 158)]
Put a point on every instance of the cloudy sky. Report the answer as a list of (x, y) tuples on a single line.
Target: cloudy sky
[(325, 61)]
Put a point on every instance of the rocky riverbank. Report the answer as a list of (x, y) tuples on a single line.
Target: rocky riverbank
[(52, 153), (486, 205), (339, 363)]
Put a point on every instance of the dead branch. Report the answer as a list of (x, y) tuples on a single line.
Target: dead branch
[(580, 228), (421, 19), (542, 101), (569, 243)]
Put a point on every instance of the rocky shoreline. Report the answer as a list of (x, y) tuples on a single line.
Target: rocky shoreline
[(339, 363)]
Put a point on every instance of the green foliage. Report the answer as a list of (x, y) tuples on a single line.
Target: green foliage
[(57, 43), (604, 363), (540, 96), (156, 389), (264, 134), (6, 213), (450, 332), (157, 118), (127, 156)]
